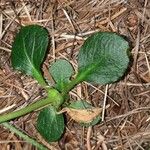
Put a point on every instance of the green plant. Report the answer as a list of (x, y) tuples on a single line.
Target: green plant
[(102, 59)]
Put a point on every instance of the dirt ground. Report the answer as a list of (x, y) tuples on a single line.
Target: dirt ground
[(126, 122)]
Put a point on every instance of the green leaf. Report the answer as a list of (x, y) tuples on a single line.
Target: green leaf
[(80, 104), (84, 113), (61, 71), (50, 124), (28, 50), (103, 58)]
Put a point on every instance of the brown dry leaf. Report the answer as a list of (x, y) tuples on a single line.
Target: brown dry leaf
[(83, 115)]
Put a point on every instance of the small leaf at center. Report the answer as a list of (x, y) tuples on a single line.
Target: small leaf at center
[(61, 71)]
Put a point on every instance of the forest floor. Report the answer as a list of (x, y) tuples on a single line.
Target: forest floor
[(126, 122)]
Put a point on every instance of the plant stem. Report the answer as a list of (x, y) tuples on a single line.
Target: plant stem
[(53, 97), (24, 136), (24, 111)]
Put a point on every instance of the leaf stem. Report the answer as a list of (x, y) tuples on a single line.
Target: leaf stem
[(79, 78), (52, 98), (24, 136), (38, 76)]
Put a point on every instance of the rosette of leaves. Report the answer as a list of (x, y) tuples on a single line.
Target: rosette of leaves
[(102, 59)]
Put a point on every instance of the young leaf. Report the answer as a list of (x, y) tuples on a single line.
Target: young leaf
[(103, 58), (61, 71), (50, 124), (28, 50), (84, 113)]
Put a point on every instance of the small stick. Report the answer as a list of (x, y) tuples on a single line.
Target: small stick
[(27, 12), (144, 11), (148, 65), (136, 48), (88, 138), (70, 21), (53, 33), (7, 108), (104, 104), (1, 23)]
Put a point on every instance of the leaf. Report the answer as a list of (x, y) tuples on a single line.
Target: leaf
[(80, 104), (103, 58), (84, 113), (50, 124), (95, 121), (28, 50), (61, 71)]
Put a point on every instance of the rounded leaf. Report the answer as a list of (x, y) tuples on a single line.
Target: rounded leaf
[(103, 58), (50, 124), (29, 48), (61, 71)]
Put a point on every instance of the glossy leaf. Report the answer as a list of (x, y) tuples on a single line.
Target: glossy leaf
[(50, 124), (28, 50), (103, 58), (61, 71), (84, 113)]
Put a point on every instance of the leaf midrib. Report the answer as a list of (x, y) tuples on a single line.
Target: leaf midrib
[(26, 54)]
